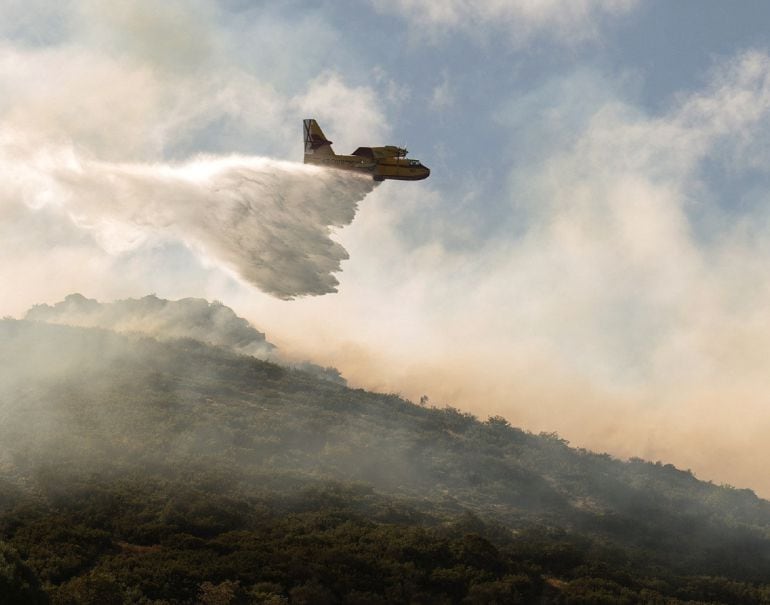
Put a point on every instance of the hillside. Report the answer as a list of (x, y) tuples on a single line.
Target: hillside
[(139, 470)]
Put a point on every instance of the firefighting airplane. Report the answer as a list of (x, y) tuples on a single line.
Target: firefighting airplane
[(382, 163)]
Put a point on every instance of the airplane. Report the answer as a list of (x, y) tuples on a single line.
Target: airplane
[(389, 162)]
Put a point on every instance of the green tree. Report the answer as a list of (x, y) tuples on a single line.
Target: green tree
[(95, 588), (18, 584)]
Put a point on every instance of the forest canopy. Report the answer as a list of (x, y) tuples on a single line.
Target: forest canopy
[(138, 470)]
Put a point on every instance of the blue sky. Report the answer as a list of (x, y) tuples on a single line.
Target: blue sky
[(590, 254)]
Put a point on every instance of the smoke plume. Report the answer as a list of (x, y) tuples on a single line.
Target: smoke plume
[(190, 318)]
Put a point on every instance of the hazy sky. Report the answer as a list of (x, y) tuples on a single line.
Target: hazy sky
[(590, 255)]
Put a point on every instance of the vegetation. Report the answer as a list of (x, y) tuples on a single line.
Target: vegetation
[(138, 471)]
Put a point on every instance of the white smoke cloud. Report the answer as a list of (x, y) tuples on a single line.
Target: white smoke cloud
[(619, 304), (212, 323)]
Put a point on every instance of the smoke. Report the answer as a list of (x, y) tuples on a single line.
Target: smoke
[(270, 222), (190, 318), (623, 301), (212, 323)]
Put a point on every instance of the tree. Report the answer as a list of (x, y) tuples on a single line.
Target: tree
[(18, 584)]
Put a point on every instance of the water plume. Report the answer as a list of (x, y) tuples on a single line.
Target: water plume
[(268, 221)]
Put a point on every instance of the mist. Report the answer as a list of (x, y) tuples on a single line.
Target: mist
[(174, 385), (269, 222)]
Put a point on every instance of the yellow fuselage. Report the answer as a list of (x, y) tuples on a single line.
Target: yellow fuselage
[(402, 169)]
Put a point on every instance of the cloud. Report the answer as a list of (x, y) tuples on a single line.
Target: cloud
[(567, 22), (144, 82), (36, 22), (100, 158), (173, 37), (326, 94), (442, 96)]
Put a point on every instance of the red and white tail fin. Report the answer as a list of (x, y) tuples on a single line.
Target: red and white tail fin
[(316, 143)]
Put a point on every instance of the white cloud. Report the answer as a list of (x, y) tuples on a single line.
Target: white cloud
[(343, 112), (89, 120), (36, 22), (442, 96), (172, 36), (568, 21), (147, 82)]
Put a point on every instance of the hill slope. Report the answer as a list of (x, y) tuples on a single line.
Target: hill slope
[(176, 471)]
